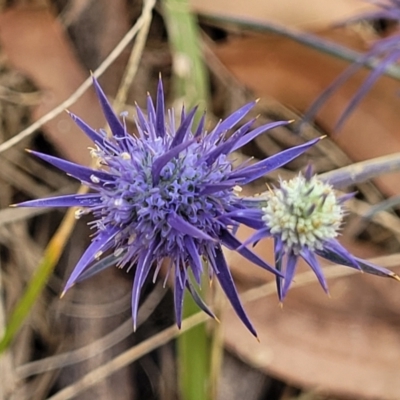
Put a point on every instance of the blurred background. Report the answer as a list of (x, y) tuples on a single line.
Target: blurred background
[(219, 54)]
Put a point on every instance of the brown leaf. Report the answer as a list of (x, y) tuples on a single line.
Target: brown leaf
[(307, 14), (36, 45)]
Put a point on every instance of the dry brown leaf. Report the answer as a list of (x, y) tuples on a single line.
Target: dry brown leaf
[(36, 45), (305, 14)]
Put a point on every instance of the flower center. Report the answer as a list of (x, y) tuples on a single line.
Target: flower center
[(303, 213), (140, 207)]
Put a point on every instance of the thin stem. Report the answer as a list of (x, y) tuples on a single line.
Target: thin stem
[(362, 171)]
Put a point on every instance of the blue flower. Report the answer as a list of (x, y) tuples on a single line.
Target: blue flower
[(304, 216), (168, 193)]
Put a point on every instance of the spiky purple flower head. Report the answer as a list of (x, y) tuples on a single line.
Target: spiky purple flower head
[(168, 194), (304, 216)]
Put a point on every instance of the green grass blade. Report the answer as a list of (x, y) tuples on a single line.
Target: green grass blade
[(193, 357), (190, 78)]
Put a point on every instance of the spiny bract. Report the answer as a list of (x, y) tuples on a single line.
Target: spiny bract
[(304, 216)]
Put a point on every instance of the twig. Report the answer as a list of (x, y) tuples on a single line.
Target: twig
[(134, 59), (362, 171), (383, 218), (98, 346)]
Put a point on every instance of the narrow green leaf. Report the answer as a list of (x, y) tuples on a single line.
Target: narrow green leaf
[(193, 357), (190, 77)]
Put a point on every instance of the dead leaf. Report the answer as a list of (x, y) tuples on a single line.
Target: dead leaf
[(305, 14), (37, 46)]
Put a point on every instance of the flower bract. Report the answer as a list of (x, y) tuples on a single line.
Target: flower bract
[(304, 216)]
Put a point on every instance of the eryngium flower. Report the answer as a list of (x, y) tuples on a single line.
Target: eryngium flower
[(304, 216), (169, 193)]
